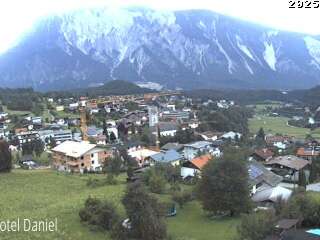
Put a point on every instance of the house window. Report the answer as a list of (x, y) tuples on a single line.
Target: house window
[(81, 157), (91, 154), (105, 152), (92, 162), (82, 164)]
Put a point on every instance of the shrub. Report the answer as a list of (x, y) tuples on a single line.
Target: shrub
[(175, 187), (94, 183), (99, 213), (182, 197), (305, 206), (256, 226), (111, 180), (157, 183)]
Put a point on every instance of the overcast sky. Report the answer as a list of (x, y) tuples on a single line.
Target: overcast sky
[(17, 16)]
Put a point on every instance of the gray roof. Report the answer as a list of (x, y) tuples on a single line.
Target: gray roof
[(289, 161), (198, 145), (168, 126), (272, 194), (258, 174), (167, 157), (174, 146)]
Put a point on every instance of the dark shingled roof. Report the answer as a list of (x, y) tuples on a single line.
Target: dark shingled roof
[(172, 146), (258, 173), (289, 161), (287, 223)]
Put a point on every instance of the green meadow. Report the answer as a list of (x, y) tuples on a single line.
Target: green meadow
[(46, 194), (277, 125)]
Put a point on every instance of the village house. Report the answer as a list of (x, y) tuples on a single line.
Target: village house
[(166, 129), (262, 155), (224, 104), (192, 168), (60, 108), (280, 142), (264, 185), (192, 150), (20, 130), (210, 135), (2, 133), (36, 120), (167, 157), (132, 146), (175, 115), (193, 123), (231, 135), (309, 153), (260, 178), (28, 136), (74, 156), (73, 106), (289, 167), (58, 135), (142, 155), (172, 146), (3, 115)]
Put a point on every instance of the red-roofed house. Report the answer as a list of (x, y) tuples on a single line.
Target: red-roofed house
[(262, 155), (308, 153), (193, 167)]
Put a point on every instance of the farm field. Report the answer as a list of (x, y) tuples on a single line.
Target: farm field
[(276, 125), (41, 194), (13, 112)]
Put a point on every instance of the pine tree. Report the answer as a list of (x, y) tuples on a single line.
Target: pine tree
[(112, 137), (260, 137)]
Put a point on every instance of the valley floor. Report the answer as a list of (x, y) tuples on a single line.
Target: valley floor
[(46, 194), (274, 125), (279, 125)]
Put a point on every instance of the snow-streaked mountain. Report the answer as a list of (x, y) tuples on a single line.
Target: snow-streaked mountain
[(183, 49)]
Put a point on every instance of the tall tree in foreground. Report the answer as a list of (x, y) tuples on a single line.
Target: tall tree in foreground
[(112, 167), (5, 157), (145, 214), (223, 187)]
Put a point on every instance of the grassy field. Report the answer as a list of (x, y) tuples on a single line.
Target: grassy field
[(63, 114), (276, 125), (12, 112), (44, 194), (261, 107), (192, 224)]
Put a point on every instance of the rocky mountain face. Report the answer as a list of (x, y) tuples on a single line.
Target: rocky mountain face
[(183, 49)]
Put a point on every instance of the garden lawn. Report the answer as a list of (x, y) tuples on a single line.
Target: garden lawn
[(41, 194), (191, 223)]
